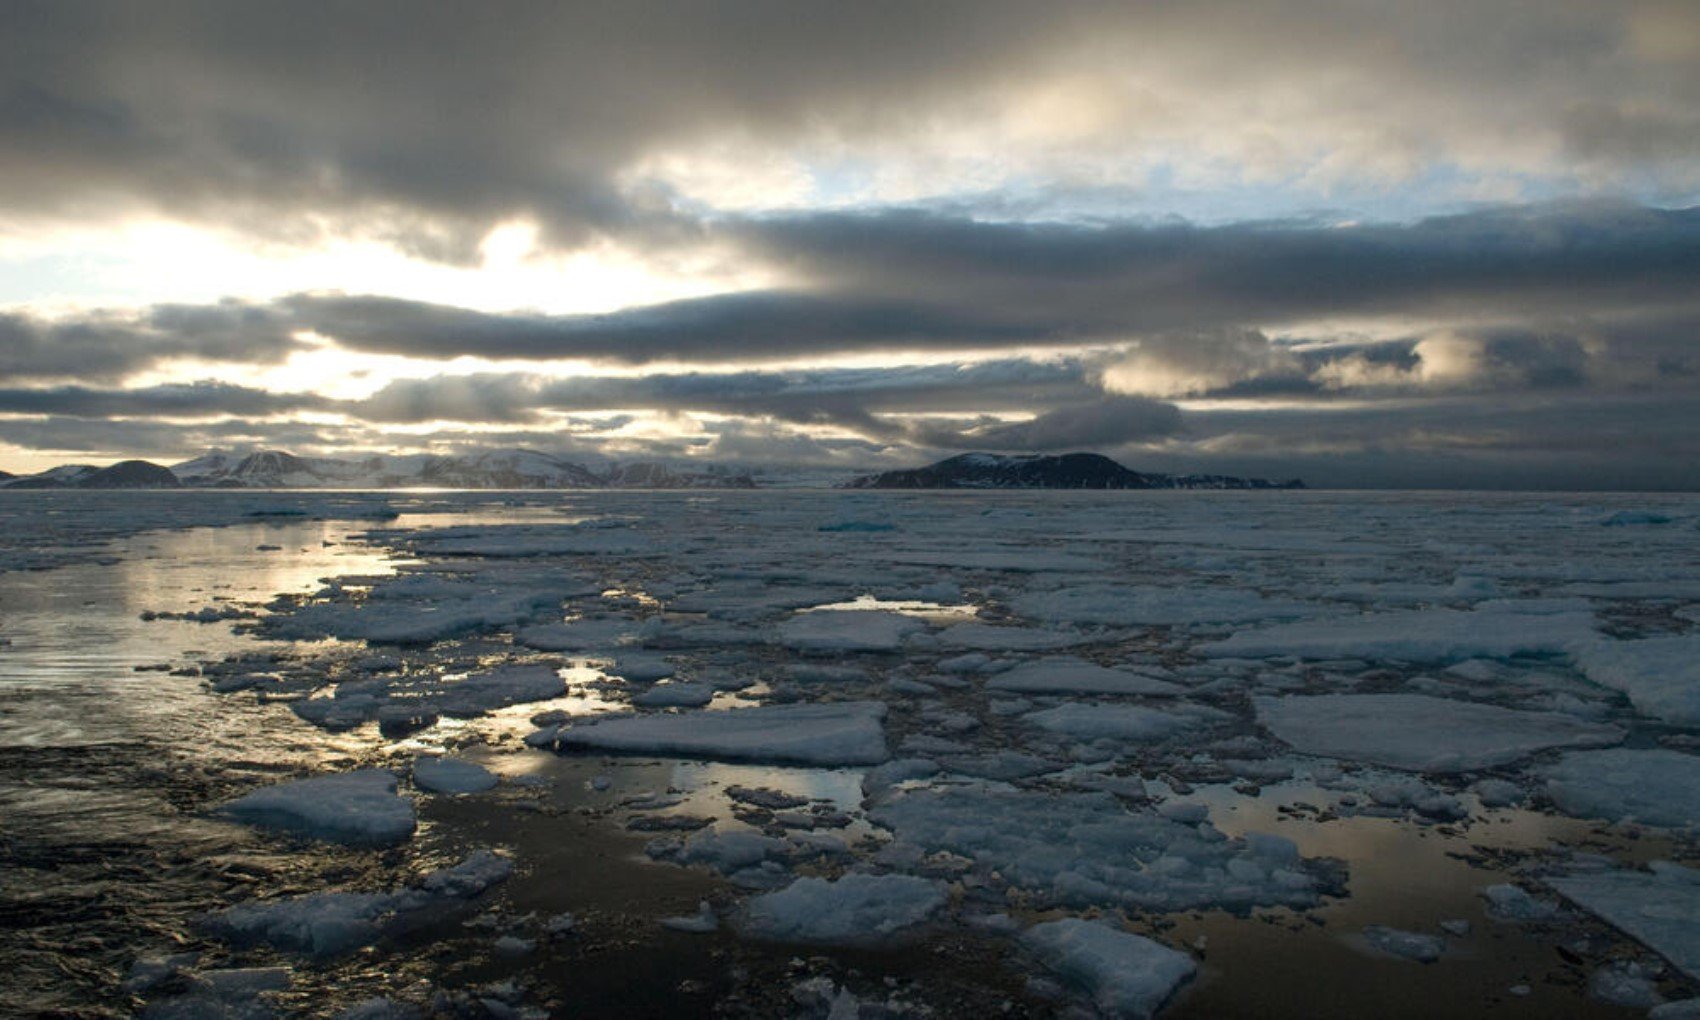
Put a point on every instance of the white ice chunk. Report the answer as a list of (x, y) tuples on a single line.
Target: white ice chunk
[(1067, 675), (641, 669), (1146, 605), (675, 695), (1493, 629), (1659, 908), (359, 808), (1408, 945), (700, 923), (499, 688), (1660, 675), (1652, 786), (847, 630), (838, 733), (451, 775), (580, 635), (1126, 975), (1121, 722), (987, 638), (855, 909), (1420, 733), (1036, 561), (329, 924), (1087, 849), (1507, 902)]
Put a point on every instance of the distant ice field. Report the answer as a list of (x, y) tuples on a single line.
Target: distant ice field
[(1089, 752)]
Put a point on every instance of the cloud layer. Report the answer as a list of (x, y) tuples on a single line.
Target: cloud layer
[(1327, 237)]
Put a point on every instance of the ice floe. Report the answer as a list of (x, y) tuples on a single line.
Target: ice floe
[(854, 909), (848, 630), (1087, 849), (1657, 907), (1124, 974), (1419, 733), (1067, 675), (1492, 629), (451, 775), (1122, 722), (836, 733), (332, 923), (1660, 675), (1148, 605), (359, 807), (1651, 786)]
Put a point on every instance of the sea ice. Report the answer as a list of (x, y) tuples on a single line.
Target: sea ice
[(988, 638), (1657, 908), (847, 630), (1660, 675), (451, 775), (1126, 975), (351, 807), (836, 733), (675, 695), (699, 923), (1409, 945), (1507, 902), (1651, 786), (329, 924), (498, 688), (1419, 733), (1087, 849), (1498, 629), (855, 909), (1121, 722), (1144, 606), (580, 635), (1067, 675)]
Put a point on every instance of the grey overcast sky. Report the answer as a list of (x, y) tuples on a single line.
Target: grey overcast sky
[(1365, 242)]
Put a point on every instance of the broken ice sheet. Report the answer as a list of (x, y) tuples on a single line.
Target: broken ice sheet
[(1660, 907), (1647, 785), (1087, 849), (360, 808), (837, 733), (1420, 733)]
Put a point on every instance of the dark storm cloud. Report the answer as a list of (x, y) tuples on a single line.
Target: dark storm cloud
[(1097, 281), (1101, 423), (862, 401), (912, 281), (1623, 441), (732, 327), (192, 400), (109, 345), (425, 124), (111, 439), (430, 122)]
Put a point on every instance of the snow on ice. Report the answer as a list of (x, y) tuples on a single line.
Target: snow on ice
[(839, 733), (1124, 974), (1650, 786), (359, 807), (1419, 733)]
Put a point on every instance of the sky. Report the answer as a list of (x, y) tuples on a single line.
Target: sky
[(1361, 242)]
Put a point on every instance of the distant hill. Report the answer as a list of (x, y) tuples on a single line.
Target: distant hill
[(277, 469), (1065, 471), (130, 474)]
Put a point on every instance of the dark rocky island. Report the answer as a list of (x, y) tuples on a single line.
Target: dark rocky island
[(1065, 471)]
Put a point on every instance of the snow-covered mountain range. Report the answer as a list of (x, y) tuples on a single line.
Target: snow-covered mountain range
[(275, 469)]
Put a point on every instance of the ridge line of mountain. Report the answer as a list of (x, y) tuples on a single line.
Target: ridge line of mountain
[(531, 469)]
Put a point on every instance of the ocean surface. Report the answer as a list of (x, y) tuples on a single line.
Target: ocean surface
[(1301, 741)]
